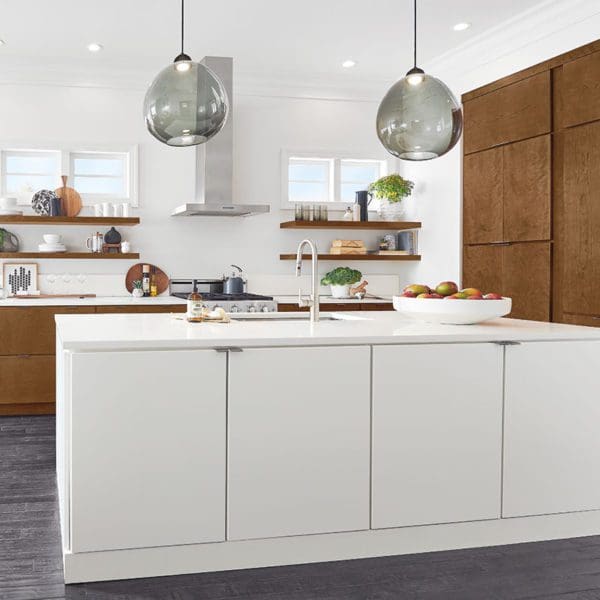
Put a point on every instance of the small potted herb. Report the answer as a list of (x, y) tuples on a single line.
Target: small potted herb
[(340, 280), (137, 291), (390, 190)]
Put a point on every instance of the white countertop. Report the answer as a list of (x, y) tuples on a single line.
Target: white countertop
[(158, 331), (97, 301)]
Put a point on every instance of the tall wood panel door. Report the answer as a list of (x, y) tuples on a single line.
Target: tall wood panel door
[(514, 112), (579, 243), (482, 267)]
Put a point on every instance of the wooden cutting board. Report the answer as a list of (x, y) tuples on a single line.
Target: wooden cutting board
[(135, 272), (70, 200)]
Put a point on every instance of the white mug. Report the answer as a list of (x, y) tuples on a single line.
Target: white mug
[(97, 210), (106, 211), (125, 247), (125, 209), (116, 210)]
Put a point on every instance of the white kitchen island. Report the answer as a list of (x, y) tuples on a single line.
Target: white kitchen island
[(196, 447)]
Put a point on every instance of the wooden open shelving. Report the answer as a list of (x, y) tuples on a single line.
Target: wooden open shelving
[(372, 225), (373, 256), (47, 220), (64, 255)]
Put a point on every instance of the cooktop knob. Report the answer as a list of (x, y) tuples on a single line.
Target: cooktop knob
[(252, 308), (234, 308), (265, 308)]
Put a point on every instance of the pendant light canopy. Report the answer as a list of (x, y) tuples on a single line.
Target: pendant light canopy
[(186, 104), (419, 118)]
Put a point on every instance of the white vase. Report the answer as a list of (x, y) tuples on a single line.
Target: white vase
[(340, 291), (137, 293), (391, 211)]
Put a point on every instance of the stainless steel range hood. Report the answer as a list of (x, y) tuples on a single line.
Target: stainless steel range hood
[(214, 163)]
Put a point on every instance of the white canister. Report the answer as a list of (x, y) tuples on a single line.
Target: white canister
[(125, 247), (97, 210), (106, 209), (116, 210), (125, 209)]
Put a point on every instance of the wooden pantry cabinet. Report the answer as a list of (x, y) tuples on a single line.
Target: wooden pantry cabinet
[(531, 188), (27, 353)]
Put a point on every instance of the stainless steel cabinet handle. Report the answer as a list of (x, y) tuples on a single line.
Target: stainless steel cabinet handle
[(500, 243), (229, 349), (507, 343)]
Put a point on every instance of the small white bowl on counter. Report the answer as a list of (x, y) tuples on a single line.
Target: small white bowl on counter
[(452, 312)]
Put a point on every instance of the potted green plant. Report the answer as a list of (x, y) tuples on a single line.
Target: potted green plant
[(137, 291), (390, 191), (340, 279)]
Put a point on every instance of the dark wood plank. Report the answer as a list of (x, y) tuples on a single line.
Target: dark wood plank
[(372, 225), (512, 113), (47, 220), (527, 190), (70, 255), (31, 408), (482, 197)]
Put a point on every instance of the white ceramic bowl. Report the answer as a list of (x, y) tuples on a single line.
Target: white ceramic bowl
[(452, 312), (52, 238)]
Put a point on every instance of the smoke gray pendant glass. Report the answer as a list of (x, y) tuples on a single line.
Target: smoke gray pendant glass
[(419, 118), (186, 104)]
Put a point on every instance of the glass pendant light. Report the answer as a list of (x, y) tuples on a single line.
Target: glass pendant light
[(186, 104), (419, 118)]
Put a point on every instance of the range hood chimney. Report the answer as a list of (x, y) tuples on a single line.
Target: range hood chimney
[(214, 163)]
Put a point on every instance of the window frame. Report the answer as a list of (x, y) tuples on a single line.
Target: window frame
[(336, 158), (67, 151)]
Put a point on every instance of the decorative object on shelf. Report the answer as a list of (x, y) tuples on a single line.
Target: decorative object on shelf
[(112, 236), (407, 241), (359, 291), (137, 291), (135, 272), (419, 118), (340, 279), (363, 199), (111, 248), (19, 278), (41, 201), (52, 243), (390, 190), (347, 247), (9, 242), (8, 206), (70, 200), (98, 210), (348, 216), (186, 104), (125, 247), (94, 243)]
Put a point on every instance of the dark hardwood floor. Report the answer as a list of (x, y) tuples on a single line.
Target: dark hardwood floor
[(30, 563)]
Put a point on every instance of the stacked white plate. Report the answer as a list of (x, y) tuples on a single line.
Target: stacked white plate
[(6, 211), (52, 248)]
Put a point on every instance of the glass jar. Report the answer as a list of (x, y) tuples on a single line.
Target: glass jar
[(195, 308)]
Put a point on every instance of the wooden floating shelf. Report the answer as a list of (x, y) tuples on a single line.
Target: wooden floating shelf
[(372, 225), (401, 257), (84, 255), (46, 220)]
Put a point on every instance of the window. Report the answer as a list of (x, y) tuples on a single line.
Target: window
[(97, 174), (329, 180)]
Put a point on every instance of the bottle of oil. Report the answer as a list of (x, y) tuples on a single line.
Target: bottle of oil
[(195, 308), (146, 280), (153, 284)]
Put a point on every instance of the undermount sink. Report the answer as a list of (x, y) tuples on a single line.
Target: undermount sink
[(299, 316)]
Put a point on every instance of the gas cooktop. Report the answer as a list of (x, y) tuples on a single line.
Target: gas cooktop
[(214, 296)]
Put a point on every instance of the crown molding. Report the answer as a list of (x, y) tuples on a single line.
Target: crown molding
[(547, 29)]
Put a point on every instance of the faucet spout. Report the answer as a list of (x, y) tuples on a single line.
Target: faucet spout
[(314, 300)]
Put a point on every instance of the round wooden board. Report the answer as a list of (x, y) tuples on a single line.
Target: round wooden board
[(70, 200), (135, 272)]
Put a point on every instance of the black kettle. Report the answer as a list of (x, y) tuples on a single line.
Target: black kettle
[(234, 284), (363, 199)]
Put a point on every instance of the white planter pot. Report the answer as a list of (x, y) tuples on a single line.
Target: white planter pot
[(340, 291), (137, 293), (391, 211)]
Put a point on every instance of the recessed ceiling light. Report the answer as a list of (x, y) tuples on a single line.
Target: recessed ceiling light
[(461, 26), (348, 64), (94, 47)]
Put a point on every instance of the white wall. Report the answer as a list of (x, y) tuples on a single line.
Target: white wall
[(193, 246)]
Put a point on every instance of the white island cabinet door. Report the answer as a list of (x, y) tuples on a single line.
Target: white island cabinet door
[(148, 449), (552, 428), (298, 441), (437, 433)]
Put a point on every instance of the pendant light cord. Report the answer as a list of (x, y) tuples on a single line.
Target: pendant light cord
[(182, 22), (414, 34)]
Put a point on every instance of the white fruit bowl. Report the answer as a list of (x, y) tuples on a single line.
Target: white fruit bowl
[(452, 312)]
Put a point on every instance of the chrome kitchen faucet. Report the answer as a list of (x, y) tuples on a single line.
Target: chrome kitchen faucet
[(314, 299)]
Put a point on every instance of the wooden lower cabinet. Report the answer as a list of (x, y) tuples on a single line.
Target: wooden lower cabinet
[(520, 271), (27, 385), (27, 353)]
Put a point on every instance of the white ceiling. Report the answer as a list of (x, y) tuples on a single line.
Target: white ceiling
[(302, 40)]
